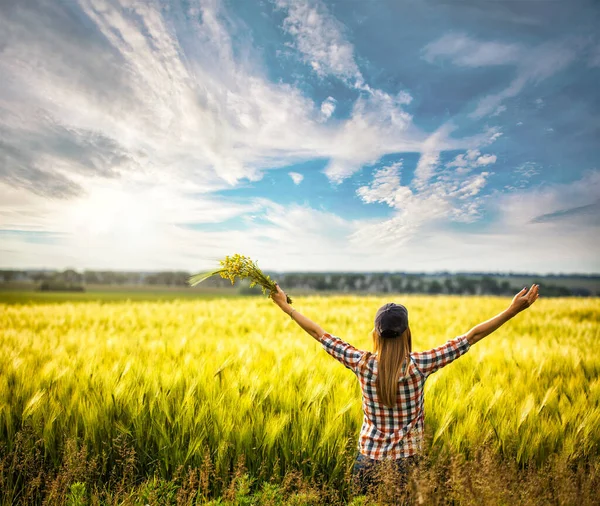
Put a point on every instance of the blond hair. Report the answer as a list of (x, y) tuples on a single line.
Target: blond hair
[(393, 361)]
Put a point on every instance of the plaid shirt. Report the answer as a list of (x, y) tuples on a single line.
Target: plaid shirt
[(393, 432)]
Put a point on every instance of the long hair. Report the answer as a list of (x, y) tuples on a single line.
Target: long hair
[(393, 360)]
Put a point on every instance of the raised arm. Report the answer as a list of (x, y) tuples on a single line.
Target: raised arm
[(308, 325), (520, 302)]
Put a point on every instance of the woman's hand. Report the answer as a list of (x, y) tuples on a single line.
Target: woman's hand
[(280, 298), (524, 299)]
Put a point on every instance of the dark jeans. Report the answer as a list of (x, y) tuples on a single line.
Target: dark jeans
[(364, 471)]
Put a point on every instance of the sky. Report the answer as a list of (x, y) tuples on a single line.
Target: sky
[(310, 135)]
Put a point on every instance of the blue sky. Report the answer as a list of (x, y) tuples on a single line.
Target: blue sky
[(309, 135)]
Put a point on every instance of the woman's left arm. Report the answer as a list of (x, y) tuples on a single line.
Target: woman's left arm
[(307, 324)]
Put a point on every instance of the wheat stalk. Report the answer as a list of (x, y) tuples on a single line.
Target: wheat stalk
[(242, 267)]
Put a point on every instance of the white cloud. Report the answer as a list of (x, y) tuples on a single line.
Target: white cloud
[(516, 242), (113, 225), (134, 115), (522, 208), (327, 108), (321, 40), (296, 177), (486, 160), (446, 195), (210, 120), (377, 125), (466, 51), (428, 162), (459, 162), (272, 238), (206, 118), (385, 187), (523, 239), (137, 106), (472, 158), (440, 140), (493, 134), (430, 156), (107, 203), (471, 186)]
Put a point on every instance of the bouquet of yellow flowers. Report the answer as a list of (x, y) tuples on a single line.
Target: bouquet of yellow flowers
[(242, 267)]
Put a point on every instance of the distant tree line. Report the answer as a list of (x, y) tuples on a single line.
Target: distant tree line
[(439, 283), (410, 283)]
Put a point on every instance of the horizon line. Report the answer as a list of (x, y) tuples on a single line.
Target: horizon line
[(447, 272)]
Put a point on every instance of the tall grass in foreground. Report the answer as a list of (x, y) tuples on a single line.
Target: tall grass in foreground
[(82, 479), (183, 383)]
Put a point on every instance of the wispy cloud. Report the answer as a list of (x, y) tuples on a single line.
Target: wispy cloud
[(430, 156), (377, 125), (523, 174), (447, 195), (499, 110), (321, 40), (592, 209), (540, 204), (527, 170), (465, 162), (535, 65), (386, 187), (119, 121), (42, 155), (538, 229), (146, 102), (109, 205), (466, 51), (429, 160), (153, 114), (272, 234)]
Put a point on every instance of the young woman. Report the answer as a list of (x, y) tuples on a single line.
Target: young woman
[(392, 379)]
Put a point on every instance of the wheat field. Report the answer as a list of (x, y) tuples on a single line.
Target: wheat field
[(234, 377)]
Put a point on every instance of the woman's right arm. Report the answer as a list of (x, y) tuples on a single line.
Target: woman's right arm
[(521, 301)]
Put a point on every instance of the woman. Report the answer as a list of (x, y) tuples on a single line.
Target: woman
[(392, 379)]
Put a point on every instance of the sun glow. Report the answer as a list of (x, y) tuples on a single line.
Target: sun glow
[(116, 214)]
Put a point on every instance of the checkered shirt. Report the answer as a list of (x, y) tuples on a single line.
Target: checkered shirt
[(393, 432)]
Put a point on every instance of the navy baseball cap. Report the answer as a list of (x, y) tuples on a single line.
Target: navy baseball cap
[(391, 320)]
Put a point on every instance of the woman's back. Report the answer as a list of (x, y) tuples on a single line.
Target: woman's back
[(393, 431)]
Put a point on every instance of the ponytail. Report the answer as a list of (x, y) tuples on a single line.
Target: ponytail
[(393, 362)]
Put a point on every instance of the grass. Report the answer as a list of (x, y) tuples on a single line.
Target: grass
[(112, 293), (130, 402)]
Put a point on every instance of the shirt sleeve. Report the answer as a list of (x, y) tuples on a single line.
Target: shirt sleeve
[(343, 352), (430, 361)]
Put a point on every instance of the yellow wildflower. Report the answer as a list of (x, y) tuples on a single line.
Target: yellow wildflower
[(242, 267)]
